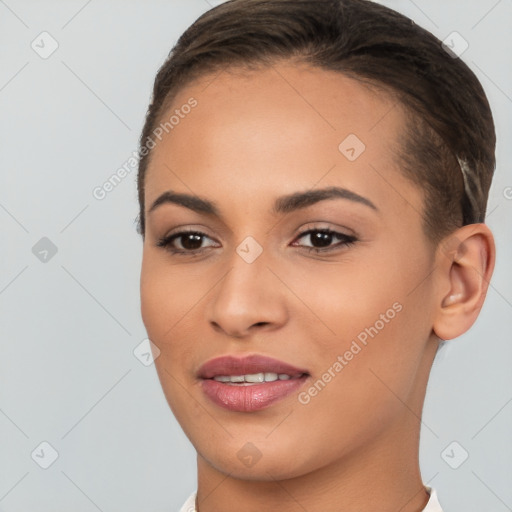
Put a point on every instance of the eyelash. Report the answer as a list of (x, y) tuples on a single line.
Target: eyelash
[(165, 242)]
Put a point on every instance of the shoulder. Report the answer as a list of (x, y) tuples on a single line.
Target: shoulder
[(190, 504)]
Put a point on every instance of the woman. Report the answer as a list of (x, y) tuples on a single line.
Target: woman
[(313, 184)]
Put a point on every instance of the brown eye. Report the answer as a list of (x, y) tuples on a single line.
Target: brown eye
[(185, 242), (321, 239), (190, 241)]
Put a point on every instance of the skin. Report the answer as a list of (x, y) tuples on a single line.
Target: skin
[(251, 138)]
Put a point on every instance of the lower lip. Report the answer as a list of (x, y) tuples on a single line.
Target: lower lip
[(250, 398)]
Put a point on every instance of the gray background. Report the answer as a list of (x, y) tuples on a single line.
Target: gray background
[(69, 325)]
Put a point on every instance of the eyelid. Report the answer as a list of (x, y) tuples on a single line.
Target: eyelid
[(326, 225), (188, 228)]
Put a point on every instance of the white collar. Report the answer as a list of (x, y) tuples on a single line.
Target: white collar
[(433, 504)]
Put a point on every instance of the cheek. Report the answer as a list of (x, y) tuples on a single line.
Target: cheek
[(368, 325), (339, 301), (166, 295), (362, 380), (164, 301), (170, 297)]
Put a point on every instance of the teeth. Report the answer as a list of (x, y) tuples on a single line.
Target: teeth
[(252, 378), (224, 378)]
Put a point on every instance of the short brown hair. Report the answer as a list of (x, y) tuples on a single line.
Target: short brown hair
[(449, 121)]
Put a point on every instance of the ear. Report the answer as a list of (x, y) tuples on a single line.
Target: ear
[(465, 262)]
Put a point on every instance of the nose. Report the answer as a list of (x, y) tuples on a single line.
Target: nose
[(249, 298)]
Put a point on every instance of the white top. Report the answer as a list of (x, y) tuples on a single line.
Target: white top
[(432, 505)]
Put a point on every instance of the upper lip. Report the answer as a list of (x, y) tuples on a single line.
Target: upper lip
[(250, 364)]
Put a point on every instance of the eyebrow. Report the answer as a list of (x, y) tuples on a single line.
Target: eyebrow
[(283, 204)]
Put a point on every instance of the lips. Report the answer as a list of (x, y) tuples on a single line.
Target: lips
[(238, 397), (230, 365)]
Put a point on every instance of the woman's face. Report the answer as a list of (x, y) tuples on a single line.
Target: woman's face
[(350, 307)]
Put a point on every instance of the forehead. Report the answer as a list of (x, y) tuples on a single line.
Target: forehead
[(282, 128)]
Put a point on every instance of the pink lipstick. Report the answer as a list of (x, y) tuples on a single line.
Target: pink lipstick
[(249, 383)]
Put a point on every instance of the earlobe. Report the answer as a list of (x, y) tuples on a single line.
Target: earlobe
[(464, 271)]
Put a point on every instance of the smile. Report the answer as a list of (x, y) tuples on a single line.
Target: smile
[(250, 383)]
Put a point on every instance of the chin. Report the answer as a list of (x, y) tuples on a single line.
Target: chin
[(273, 468), (258, 460)]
